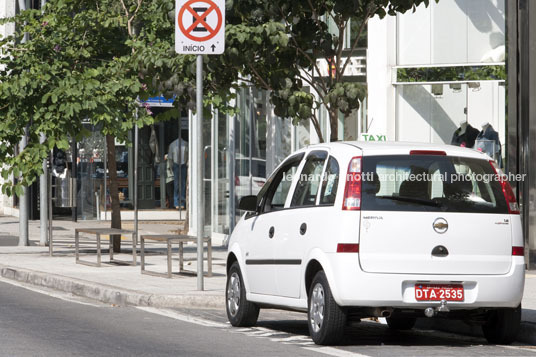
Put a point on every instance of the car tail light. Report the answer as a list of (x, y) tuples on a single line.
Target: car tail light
[(236, 181), (352, 191), (347, 248), (518, 251), (427, 152), (509, 195)]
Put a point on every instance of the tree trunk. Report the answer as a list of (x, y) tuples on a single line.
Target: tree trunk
[(114, 191), (334, 125)]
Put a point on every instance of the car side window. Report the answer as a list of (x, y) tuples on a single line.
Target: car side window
[(274, 194), (310, 180), (330, 182)]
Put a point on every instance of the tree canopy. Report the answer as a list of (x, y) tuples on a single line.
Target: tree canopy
[(74, 66), (276, 45), (93, 59)]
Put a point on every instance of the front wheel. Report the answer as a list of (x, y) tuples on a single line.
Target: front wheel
[(502, 325), (326, 319), (240, 312)]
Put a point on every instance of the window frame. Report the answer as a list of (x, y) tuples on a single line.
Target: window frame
[(270, 186), (313, 154), (318, 203)]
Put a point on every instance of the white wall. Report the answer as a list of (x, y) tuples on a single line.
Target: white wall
[(452, 31), (381, 57), (7, 9)]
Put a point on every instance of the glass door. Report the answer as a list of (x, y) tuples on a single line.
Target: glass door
[(221, 174)]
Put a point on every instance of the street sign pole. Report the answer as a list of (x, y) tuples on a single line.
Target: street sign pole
[(136, 149), (200, 164), (199, 29)]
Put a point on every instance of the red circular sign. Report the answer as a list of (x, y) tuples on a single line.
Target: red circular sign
[(200, 19)]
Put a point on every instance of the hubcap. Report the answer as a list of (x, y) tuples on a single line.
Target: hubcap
[(316, 310), (233, 294)]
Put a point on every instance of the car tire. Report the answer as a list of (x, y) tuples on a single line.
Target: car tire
[(326, 319), (240, 312), (502, 326), (401, 323)]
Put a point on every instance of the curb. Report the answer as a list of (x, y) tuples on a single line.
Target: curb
[(527, 331), (110, 294)]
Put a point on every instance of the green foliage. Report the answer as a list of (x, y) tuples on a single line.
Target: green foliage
[(459, 73), (91, 59), (75, 65), (275, 45)]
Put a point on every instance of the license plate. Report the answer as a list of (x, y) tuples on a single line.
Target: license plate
[(438, 292)]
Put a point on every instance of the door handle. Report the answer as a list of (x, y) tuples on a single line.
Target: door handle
[(271, 232), (303, 228)]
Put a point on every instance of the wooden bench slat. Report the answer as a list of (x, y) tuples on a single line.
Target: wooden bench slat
[(103, 231)]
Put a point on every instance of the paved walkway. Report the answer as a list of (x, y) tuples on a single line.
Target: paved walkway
[(110, 283), (125, 285)]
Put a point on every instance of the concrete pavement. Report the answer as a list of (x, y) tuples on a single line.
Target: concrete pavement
[(115, 284), (125, 285)]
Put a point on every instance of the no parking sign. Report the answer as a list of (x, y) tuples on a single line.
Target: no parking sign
[(200, 26)]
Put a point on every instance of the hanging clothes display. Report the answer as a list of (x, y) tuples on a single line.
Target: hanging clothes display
[(488, 141), (464, 136)]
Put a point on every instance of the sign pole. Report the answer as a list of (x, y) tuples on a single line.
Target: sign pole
[(136, 149), (199, 167), (199, 29)]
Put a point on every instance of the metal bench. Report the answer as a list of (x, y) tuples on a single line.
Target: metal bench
[(171, 239), (104, 231)]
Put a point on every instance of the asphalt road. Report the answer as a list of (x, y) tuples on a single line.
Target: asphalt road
[(35, 324)]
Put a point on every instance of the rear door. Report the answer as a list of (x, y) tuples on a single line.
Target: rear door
[(429, 214)]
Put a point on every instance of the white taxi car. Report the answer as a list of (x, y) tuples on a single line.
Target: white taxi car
[(349, 230)]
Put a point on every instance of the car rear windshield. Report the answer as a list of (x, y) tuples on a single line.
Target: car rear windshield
[(430, 183)]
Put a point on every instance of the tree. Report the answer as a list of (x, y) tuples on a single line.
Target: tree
[(276, 45), (94, 58), (74, 65)]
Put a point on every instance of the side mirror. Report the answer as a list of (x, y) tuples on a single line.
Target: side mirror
[(248, 203)]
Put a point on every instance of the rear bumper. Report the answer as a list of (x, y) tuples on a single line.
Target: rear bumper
[(352, 287)]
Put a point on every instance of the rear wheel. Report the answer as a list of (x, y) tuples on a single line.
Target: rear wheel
[(240, 312), (502, 325), (401, 323), (325, 318)]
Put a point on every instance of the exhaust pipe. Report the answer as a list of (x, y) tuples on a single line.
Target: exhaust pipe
[(386, 313)]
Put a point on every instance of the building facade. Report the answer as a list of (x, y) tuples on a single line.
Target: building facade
[(457, 63), (521, 24), (428, 72)]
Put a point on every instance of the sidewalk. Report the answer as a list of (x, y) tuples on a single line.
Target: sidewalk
[(114, 284), (125, 285)]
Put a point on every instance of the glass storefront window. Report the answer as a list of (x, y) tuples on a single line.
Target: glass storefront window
[(90, 169), (251, 143), (433, 113)]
